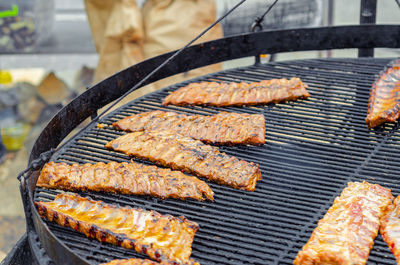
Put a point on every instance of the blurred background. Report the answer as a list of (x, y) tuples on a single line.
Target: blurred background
[(50, 49)]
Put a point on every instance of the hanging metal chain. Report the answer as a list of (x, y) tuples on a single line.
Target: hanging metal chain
[(257, 24), (37, 163), (258, 21)]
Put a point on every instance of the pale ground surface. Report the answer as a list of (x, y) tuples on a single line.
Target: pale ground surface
[(11, 211)]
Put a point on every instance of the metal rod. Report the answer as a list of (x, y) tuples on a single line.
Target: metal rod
[(367, 16), (141, 82), (170, 59)]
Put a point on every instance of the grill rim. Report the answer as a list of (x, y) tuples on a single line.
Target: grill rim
[(32, 180)]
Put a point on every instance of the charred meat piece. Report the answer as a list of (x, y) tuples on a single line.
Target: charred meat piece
[(229, 94), (124, 178), (139, 262), (346, 233), (161, 237), (222, 128), (390, 228), (384, 99), (185, 153)]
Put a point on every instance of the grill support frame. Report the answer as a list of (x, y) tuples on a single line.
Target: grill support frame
[(365, 36)]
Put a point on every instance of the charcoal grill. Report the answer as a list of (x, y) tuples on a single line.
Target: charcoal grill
[(313, 148)]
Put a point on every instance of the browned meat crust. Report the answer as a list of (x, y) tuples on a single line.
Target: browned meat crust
[(137, 262), (228, 94), (125, 178), (224, 128), (384, 99), (161, 237), (185, 153), (346, 234), (390, 228)]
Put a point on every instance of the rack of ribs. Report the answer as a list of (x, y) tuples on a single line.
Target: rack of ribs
[(390, 228), (238, 94), (124, 178), (184, 153), (224, 128), (384, 99), (161, 237), (345, 235)]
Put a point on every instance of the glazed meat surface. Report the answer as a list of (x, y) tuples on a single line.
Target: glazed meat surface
[(390, 228), (229, 94), (222, 128), (384, 99), (185, 153), (135, 262), (140, 262), (345, 235), (161, 237), (124, 178)]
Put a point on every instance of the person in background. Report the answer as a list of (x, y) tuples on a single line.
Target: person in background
[(125, 34)]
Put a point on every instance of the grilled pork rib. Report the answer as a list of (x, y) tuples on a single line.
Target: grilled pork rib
[(125, 178), (222, 128), (229, 94), (137, 262), (161, 237), (346, 233), (384, 99), (390, 228), (185, 153)]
